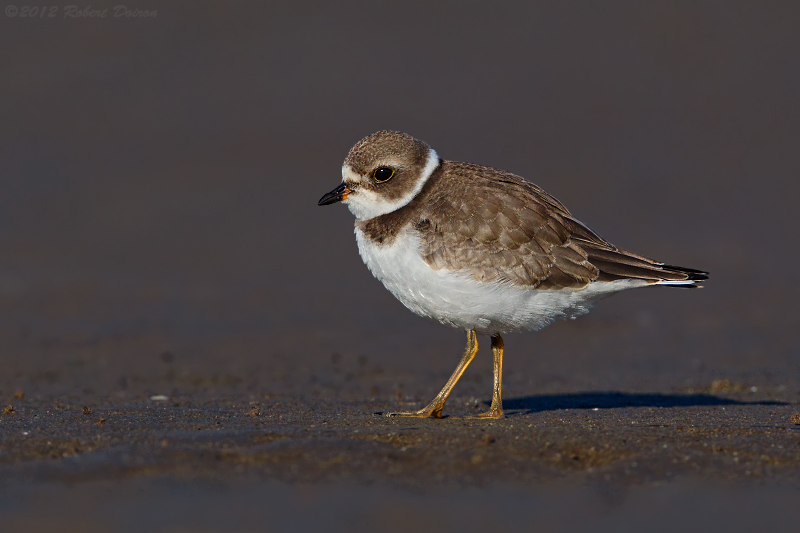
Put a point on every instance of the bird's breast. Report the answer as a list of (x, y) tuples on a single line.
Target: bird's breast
[(458, 300)]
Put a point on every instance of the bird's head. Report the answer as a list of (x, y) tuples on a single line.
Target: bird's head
[(382, 173)]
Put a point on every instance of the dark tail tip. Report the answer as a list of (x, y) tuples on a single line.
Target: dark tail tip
[(691, 273)]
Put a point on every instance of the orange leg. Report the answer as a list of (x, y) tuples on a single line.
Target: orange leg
[(434, 408), (496, 410)]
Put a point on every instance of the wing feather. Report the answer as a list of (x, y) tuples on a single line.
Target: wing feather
[(497, 227)]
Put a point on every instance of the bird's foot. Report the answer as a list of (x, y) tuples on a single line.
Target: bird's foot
[(425, 412), (491, 413)]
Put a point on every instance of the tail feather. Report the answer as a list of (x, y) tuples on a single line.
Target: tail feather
[(693, 277), (615, 264)]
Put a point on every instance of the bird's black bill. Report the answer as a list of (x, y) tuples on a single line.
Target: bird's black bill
[(336, 195)]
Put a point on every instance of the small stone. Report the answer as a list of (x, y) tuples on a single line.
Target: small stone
[(795, 418), (19, 394), (254, 412), (9, 410), (87, 410)]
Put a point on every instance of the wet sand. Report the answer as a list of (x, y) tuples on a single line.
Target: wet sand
[(167, 505), (160, 238), (614, 438), (580, 462)]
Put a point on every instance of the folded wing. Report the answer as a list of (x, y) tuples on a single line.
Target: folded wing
[(497, 227)]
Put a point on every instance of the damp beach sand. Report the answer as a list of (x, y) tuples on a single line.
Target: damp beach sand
[(242, 459)]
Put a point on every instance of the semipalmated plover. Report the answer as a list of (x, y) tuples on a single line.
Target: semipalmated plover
[(479, 249)]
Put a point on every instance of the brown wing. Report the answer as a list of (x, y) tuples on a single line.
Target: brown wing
[(499, 227)]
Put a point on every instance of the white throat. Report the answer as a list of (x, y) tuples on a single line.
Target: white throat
[(366, 204)]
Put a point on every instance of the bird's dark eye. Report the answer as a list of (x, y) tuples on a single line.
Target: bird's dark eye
[(382, 174)]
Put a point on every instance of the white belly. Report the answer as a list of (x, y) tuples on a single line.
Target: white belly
[(456, 299)]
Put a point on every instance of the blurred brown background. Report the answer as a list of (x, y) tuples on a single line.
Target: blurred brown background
[(159, 179)]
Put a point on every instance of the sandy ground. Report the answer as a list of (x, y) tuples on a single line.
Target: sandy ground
[(621, 439), (593, 462)]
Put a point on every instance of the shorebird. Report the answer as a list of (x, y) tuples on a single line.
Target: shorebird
[(479, 249)]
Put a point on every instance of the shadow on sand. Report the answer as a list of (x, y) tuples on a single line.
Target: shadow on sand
[(613, 399)]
